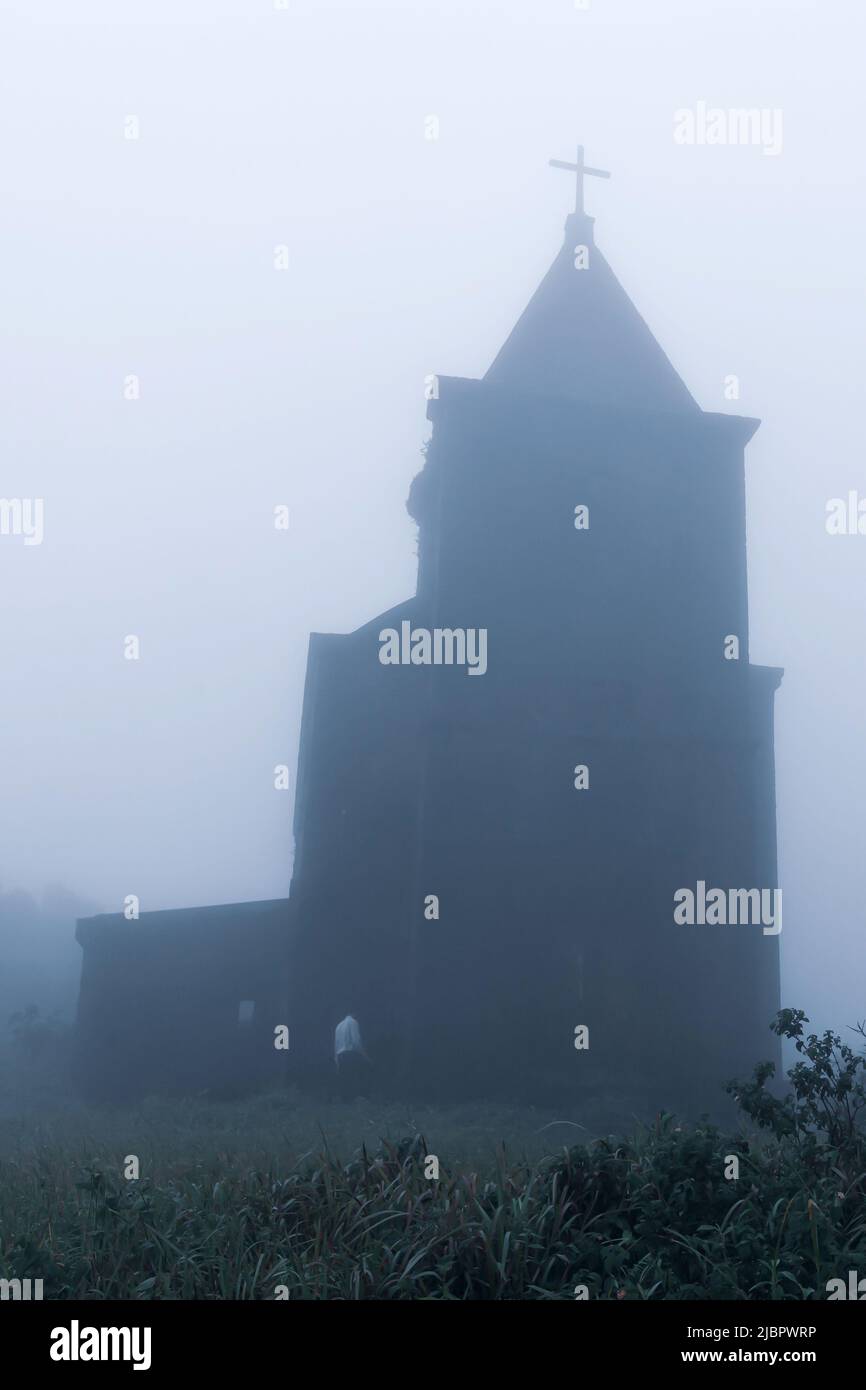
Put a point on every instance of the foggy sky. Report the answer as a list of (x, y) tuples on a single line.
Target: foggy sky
[(305, 127)]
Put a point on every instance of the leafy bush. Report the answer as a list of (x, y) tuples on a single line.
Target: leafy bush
[(825, 1104)]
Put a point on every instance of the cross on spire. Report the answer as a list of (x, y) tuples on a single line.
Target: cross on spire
[(580, 169)]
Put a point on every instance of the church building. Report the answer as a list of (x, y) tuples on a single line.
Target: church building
[(512, 785)]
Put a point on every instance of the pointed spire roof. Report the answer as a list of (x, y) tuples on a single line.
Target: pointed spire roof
[(581, 337)]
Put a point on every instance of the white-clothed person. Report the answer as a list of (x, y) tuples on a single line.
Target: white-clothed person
[(350, 1059), (347, 1037)]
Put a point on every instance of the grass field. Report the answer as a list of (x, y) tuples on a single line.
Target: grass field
[(273, 1197), (280, 1196)]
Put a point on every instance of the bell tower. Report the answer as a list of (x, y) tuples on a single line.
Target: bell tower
[(578, 506)]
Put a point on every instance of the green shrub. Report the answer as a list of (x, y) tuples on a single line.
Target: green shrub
[(824, 1106)]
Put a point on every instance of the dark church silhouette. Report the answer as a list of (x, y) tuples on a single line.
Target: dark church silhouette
[(486, 862)]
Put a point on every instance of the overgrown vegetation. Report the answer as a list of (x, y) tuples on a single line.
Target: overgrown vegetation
[(226, 1207), (826, 1099)]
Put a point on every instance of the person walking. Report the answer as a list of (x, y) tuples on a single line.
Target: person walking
[(350, 1059)]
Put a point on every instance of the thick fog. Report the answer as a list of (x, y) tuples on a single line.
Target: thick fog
[(232, 253)]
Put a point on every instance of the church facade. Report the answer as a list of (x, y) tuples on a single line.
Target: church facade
[(507, 784)]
